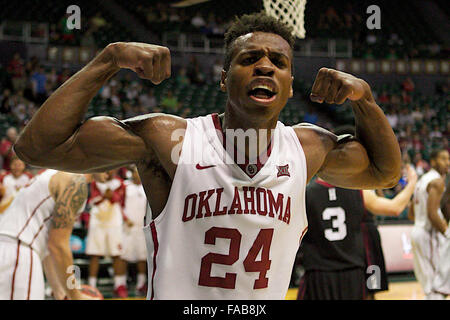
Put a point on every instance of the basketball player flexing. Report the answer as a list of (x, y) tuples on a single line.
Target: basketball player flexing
[(219, 230), (430, 237), (34, 236)]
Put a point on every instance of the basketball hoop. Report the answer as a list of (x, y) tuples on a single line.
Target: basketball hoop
[(290, 12)]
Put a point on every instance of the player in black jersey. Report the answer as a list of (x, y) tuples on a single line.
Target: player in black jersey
[(342, 241), (333, 254)]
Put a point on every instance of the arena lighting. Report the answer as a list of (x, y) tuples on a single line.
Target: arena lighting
[(187, 3)]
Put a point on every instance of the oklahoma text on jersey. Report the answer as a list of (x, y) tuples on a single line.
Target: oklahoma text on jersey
[(259, 201)]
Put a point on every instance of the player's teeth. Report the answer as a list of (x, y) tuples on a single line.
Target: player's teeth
[(263, 87)]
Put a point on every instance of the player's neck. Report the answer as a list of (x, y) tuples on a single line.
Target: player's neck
[(240, 119), (263, 134)]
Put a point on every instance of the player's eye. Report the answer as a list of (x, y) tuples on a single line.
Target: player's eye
[(279, 62), (249, 60)]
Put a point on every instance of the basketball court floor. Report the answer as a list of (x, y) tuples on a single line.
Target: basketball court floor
[(401, 287)]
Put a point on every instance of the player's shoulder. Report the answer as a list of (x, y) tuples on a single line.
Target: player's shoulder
[(4, 176), (154, 122), (437, 183), (315, 139), (311, 133), (63, 179)]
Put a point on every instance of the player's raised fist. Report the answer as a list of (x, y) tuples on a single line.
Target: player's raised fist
[(149, 61), (334, 86)]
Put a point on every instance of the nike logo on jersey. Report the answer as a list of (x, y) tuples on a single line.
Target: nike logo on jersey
[(199, 167)]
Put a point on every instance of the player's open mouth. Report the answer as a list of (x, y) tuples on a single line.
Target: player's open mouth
[(262, 93)]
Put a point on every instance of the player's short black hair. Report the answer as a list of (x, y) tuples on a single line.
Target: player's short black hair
[(251, 23), (435, 153)]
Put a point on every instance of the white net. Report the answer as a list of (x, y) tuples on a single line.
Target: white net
[(291, 12)]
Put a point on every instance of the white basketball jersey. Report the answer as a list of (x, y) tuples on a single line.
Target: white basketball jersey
[(27, 218), (135, 203), (420, 200), (224, 234)]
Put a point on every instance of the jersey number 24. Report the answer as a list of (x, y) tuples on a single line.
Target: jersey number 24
[(261, 244)]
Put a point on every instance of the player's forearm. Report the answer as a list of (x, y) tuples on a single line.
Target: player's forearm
[(401, 200), (63, 112), (59, 293), (62, 259), (378, 138)]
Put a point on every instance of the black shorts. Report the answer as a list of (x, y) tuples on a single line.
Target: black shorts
[(374, 257), (346, 284)]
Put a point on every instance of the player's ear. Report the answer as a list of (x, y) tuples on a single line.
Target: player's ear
[(223, 80), (291, 90)]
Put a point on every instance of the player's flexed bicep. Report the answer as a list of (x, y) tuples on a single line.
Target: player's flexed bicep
[(98, 144), (373, 159), (339, 160)]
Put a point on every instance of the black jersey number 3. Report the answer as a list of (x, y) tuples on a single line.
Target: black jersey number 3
[(338, 231)]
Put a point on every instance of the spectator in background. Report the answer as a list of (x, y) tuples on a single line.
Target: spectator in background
[(428, 113), (132, 91), (52, 79), (6, 147), (170, 102), (392, 118), (87, 39), (408, 85), (39, 79), (311, 116), (6, 102), (115, 96), (97, 22), (383, 98), (392, 54), (17, 71), (417, 114), (405, 117), (148, 100), (417, 144), (181, 78), (420, 164), (194, 73), (436, 132), (53, 34), (20, 109), (330, 19), (198, 21)]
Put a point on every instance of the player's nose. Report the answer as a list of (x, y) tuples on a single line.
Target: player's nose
[(264, 67)]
